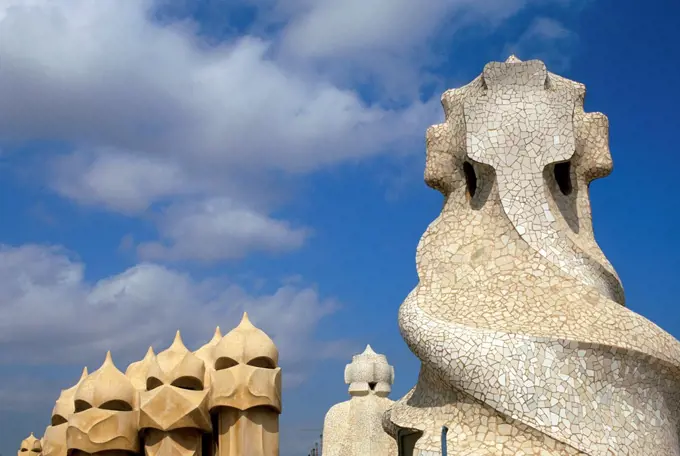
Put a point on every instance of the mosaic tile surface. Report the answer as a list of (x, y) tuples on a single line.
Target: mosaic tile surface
[(354, 427), (518, 319)]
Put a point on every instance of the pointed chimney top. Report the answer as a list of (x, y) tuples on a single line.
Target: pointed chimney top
[(245, 321), (369, 350), (178, 343)]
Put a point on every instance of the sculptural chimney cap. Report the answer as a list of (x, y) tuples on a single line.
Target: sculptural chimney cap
[(206, 352), (31, 442), (83, 374), (245, 322), (177, 361), (71, 390), (246, 342), (369, 372), (63, 406), (369, 355), (369, 350), (512, 59), (177, 342), (137, 371), (105, 384), (107, 364)]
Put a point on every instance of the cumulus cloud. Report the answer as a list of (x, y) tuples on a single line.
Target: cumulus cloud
[(119, 180), (154, 112), (50, 313), (388, 43), (219, 228), (325, 28), (103, 73), (548, 40)]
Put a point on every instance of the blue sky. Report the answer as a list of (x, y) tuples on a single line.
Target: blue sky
[(168, 164)]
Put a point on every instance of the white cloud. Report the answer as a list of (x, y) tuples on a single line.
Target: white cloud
[(121, 181), (155, 113), (388, 43), (326, 28), (102, 73), (219, 228), (50, 313), (548, 40), (194, 227)]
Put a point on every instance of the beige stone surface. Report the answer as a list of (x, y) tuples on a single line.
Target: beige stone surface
[(30, 446), (54, 438), (354, 427), (105, 416), (136, 372), (518, 318), (207, 354), (173, 408), (246, 392), (162, 404)]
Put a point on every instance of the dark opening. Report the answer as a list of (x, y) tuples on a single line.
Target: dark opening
[(372, 385), (406, 441), (57, 420), (119, 406), (470, 178), (224, 363), (153, 383), (207, 444), (23, 450), (263, 362), (188, 383), (81, 406), (215, 420), (563, 177)]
